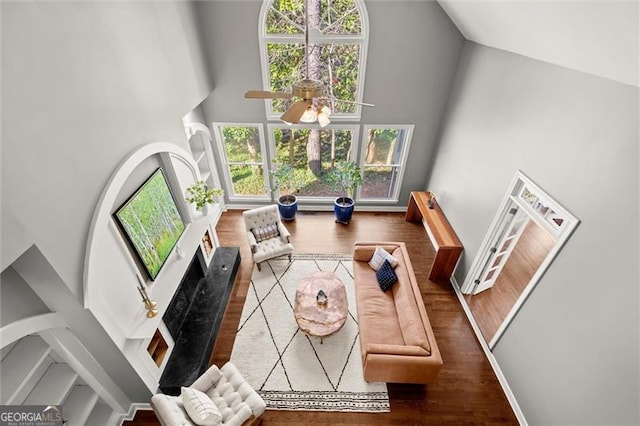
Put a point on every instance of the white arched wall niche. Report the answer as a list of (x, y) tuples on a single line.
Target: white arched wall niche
[(111, 274)]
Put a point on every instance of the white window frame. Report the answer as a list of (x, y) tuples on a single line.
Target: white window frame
[(226, 173), (355, 132), (562, 234), (402, 165), (361, 39)]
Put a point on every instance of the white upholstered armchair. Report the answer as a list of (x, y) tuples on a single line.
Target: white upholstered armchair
[(234, 401), (267, 235)]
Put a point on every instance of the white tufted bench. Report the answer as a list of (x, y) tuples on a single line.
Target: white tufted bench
[(238, 402), (269, 248)]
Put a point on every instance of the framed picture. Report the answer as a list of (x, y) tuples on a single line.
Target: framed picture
[(207, 243), (151, 222)]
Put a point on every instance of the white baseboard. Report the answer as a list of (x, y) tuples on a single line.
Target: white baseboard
[(492, 359)]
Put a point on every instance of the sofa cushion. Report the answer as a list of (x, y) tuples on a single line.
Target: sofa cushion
[(200, 408), (379, 256), (409, 318), (266, 232), (385, 275), (377, 316)]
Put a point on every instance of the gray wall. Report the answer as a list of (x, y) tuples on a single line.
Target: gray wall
[(571, 354), (18, 300), (411, 61), (83, 84)]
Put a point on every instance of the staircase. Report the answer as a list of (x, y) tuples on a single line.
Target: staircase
[(31, 373)]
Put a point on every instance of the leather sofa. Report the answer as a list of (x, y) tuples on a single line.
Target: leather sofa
[(396, 340)]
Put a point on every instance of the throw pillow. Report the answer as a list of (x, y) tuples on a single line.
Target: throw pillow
[(379, 256), (265, 232), (386, 276), (200, 407)]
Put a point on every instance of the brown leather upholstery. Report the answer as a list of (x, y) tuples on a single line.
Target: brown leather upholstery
[(396, 340)]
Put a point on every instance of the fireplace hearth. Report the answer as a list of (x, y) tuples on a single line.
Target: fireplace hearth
[(194, 315)]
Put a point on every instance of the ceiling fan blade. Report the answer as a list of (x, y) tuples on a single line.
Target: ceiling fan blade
[(295, 111), (353, 102), (261, 94)]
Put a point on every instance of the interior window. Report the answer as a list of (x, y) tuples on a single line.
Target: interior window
[(384, 156), (242, 149)]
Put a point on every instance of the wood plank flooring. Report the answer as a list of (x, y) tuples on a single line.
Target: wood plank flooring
[(466, 391), (492, 306)]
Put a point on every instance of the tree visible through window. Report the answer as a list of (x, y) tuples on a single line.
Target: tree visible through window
[(242, 147), (291, 148), (384, 158), (335, 57), (336, 48)]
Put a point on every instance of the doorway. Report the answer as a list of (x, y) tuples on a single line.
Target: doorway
[(491, 306), (526, 234)]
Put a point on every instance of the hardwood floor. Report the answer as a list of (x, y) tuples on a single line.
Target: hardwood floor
[(492, 306), (466, 391)]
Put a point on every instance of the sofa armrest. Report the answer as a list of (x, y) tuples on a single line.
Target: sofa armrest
[(363, 250), (252, 241), (284, 232), (401, 368), (208, 379), (381, 348)]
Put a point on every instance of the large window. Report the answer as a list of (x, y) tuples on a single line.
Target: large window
[(312, 153), (384, 156), (241, 146), (336, 56), (337, 51)]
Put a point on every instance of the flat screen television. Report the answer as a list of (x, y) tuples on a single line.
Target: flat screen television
[(151, 222)]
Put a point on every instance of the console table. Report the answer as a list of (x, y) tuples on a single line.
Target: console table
[(444, 239)]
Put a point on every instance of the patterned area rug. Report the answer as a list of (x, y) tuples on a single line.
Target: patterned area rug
[(293, 371)]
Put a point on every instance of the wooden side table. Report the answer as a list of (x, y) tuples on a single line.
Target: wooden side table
[(444, 239)]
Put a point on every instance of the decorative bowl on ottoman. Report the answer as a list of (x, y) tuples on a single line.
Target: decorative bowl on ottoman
[(321, 298)]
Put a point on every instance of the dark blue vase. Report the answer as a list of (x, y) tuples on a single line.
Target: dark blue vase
[(288, 206), (343, 208)]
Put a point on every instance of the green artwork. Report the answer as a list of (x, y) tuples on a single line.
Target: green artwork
[(152, 222)]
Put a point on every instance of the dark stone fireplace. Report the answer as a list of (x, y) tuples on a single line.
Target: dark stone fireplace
[(194, 315)]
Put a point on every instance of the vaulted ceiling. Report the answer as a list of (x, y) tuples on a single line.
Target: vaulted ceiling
[(596, 37)]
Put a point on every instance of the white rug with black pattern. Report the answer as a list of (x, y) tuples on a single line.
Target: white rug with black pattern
[(293, 371)]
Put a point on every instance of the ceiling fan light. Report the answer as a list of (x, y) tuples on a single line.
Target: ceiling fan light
[(309, 116), (323, 115), (323, 118)]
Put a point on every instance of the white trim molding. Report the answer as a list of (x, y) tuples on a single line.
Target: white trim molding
[(562, 233), (111, 275), (492, 359), (31, 325)]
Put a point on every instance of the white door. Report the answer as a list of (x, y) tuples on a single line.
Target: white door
[(511, 229)]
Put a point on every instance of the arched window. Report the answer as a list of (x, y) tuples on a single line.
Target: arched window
[(338, 40)]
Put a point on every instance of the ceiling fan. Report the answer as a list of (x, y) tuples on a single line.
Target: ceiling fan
[(304, 110)]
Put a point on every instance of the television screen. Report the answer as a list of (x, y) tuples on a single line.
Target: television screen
[(151, 222)]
